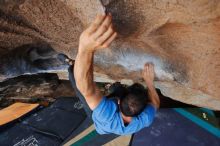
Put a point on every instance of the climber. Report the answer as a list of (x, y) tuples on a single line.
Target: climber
[(132, 112)]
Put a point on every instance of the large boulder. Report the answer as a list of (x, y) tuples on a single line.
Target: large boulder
[(182, 39)]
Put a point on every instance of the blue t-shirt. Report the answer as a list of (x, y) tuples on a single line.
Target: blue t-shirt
[(107, 119)]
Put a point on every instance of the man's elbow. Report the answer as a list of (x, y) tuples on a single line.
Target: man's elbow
[(85, 91), (158, 103)]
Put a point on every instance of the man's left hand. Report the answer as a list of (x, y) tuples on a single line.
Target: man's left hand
[(98, 35)]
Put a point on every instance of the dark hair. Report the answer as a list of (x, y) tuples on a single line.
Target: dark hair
[(133, 99)]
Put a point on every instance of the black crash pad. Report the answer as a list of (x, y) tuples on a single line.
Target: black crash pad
[(52, 124), (23, 135), (60, 119)]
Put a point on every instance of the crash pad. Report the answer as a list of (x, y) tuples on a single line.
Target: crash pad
[(178, 126), (24, 135), (47, 126), (15, 111)]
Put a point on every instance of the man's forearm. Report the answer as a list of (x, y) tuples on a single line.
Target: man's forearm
[(83, 72), (154, 98), (98, 35)]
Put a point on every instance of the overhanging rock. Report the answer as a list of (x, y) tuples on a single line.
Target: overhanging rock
[(182, 39)]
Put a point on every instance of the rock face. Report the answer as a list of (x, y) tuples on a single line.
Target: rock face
[(182, 39), (41, 88)]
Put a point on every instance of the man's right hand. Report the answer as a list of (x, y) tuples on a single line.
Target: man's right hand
[(98, 35), (148, 74)]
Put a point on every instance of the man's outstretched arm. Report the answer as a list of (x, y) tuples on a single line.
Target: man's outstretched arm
[(148, 75), (98, 35)]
